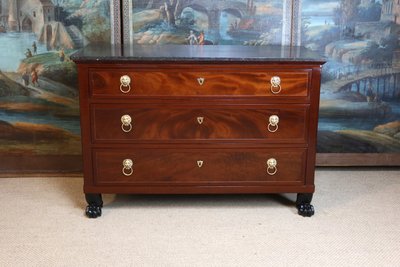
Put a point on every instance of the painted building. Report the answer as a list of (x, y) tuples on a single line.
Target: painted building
[(367, 2), (26, 15), (391, 11), (4, 13), (381, 29), (39, 17)]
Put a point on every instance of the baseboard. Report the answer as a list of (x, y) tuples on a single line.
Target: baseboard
[(358, 159)]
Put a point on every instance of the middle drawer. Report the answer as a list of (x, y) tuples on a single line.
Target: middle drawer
[(133, 122)]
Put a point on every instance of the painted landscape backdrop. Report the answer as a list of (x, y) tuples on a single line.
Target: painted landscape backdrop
[(223, 22), (360, 93), (39, 110), (39, 114), (360, 109)]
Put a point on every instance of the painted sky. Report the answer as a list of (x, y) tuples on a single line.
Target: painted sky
[(269, 9), (321, 7)]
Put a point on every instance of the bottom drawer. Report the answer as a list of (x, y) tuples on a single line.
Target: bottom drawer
[(199, 166)]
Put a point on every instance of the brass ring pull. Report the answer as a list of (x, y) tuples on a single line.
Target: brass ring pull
[(276, 83), (126, 123), (273, 123), (201, 80), (125, 83), (127, 170), (271, 166)]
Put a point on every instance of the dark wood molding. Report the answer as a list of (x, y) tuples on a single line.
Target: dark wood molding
[(358, 159), (40, 165)]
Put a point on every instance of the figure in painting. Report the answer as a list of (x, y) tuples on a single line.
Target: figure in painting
[(25, 78), (35, 77), (192, 38), (2, 27), (61, 54), (201, 38), (34, 48), (28, 53), (370, 95)]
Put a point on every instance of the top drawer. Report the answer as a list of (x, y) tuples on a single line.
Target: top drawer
[(210, 82)]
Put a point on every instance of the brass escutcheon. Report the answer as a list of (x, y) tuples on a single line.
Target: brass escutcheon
[(201, 80), (200, 120), (199, 163)]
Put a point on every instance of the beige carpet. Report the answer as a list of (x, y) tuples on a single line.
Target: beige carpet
[(357, 223)]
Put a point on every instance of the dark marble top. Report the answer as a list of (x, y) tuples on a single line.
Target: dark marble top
[(191, 53)]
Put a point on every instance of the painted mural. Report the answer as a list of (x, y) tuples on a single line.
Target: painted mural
[(360, 94), (360, 98), (39, 110), (206, 22)]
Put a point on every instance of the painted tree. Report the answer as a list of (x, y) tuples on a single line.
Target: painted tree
[(250, 7), (170, 8), (347, 12), (345, 16), (371, 12)]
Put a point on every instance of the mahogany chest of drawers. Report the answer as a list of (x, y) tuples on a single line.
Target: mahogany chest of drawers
[(198, 120)]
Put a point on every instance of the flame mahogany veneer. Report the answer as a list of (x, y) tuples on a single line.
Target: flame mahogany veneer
[(200, 124)]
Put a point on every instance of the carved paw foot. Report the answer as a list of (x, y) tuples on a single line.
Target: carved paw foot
[(93, 211), (305, 209), (95, 203)]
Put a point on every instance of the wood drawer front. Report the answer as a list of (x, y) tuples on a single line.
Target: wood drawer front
[(219, 166), (152, 123), (106, 83)]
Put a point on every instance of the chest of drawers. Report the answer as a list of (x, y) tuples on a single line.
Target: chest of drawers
[(198, 120)]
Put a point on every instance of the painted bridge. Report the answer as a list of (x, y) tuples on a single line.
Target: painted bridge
[(346, 81), (213, 9)]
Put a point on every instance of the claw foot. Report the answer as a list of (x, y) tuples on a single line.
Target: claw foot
[(303, 205), (305, 209), (93, 211), (95, 203)]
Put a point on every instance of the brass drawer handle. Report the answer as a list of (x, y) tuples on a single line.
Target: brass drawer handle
[(271, 166), (200, 120), (200, 163), (201, 80), (127, 169), (276, 85), (273, 123), (125, 86), (126, 121)]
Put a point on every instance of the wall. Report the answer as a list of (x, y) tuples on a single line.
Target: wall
[(39, 121)]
